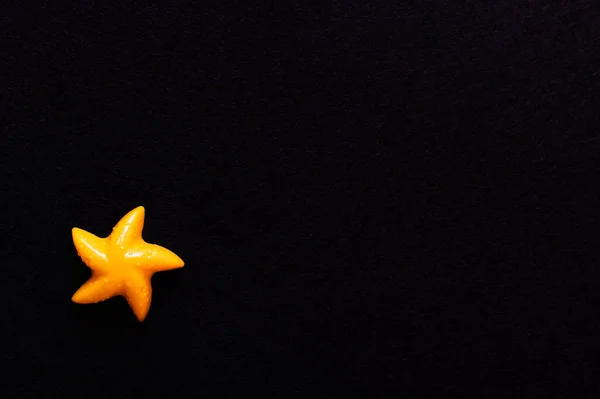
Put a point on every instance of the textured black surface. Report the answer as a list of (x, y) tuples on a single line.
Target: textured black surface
[(368, 196)]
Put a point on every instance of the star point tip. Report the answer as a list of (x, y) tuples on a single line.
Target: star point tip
[(77, 298), (76, 232), (141, 318)]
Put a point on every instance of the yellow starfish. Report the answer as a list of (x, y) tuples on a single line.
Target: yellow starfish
[(122, 264)]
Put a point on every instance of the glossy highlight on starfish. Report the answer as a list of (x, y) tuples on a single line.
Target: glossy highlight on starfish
[(122, 264)]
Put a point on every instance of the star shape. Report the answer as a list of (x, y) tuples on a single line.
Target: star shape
[(122, 264)]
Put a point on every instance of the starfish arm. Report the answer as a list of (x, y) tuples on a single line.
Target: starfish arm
[(129, 228), (138, 293), (91, 249), (153, 258), (97, 289)]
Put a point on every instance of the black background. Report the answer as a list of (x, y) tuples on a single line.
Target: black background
[(368, 196)]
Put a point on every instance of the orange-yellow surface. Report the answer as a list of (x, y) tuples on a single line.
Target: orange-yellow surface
[(122, 264)]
